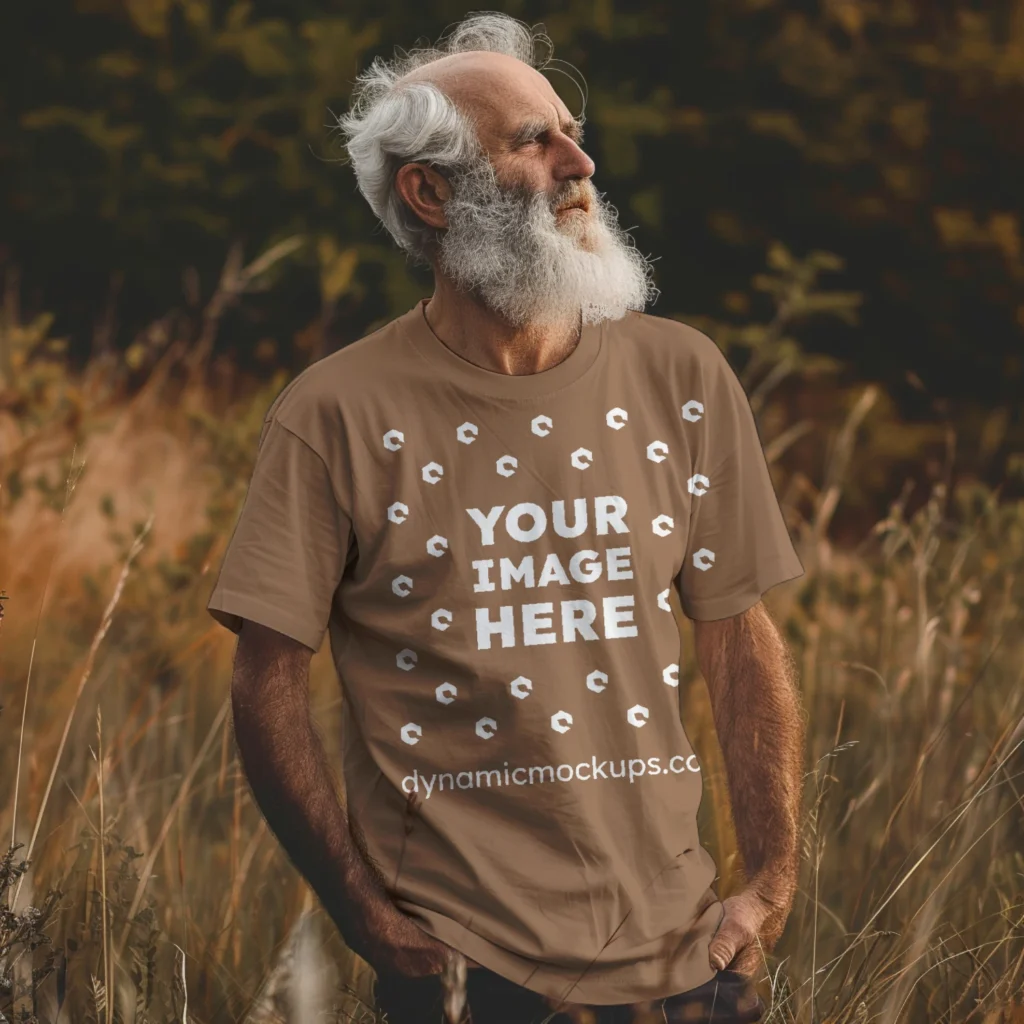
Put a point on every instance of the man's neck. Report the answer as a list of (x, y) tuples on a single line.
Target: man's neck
[(479, 335)]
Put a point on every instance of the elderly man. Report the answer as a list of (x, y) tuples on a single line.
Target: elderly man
[(492, 503)]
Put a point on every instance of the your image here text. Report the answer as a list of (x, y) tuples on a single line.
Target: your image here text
[(547, 622)]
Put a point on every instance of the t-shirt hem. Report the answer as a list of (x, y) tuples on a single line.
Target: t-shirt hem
[(230, 608), (601, 985), (739, 601)]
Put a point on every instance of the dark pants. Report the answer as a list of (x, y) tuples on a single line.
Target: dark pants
[(728, 998)]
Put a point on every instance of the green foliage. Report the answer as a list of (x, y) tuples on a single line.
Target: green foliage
[(149, 135)]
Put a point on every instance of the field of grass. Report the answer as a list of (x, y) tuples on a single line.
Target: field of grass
[(144, 886)]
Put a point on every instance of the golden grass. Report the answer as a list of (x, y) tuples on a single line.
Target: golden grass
[(115, 738)]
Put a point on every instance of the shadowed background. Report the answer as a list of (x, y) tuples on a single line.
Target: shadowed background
[(833, 191)]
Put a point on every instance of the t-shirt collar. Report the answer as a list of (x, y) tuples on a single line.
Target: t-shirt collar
[(451, 366)]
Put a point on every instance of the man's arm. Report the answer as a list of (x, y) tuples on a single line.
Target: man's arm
[(293, 785), (760, 724), (287, 768)]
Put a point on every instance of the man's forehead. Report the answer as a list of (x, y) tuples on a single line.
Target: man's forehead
[(499, 89)]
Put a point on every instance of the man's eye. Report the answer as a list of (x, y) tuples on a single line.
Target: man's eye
[(578, 139)]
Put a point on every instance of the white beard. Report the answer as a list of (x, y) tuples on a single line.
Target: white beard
[(528, 265)]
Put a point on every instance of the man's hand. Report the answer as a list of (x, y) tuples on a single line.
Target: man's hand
[(735, 945), (392, 943)]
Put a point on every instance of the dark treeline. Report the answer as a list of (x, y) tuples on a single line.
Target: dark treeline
[(141, 138)]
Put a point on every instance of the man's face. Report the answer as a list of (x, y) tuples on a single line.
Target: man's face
[(531, 263), (508, 241)]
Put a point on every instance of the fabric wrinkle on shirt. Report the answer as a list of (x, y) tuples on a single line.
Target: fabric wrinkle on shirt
[(495, 560)]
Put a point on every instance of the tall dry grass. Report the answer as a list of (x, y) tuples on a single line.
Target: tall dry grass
[(143, 885)]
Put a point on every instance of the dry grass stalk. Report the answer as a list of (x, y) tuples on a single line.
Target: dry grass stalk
[(101, 632)]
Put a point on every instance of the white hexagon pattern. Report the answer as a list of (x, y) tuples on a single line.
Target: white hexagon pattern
[(541, 425), (467, 432), (437, 545), (703, 559), (521, 687), (561, 721), (441, 618), (582, 458), (637, 715), (662, 525), (698, 484), (432, 472), (656, 451)]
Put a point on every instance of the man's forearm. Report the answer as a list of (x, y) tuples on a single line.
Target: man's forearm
[(759, 721), (293, 785)]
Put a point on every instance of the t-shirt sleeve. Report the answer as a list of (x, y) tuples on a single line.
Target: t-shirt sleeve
[(287, 554), (738, 545)]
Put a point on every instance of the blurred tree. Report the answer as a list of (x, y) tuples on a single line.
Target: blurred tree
[(141, 137)]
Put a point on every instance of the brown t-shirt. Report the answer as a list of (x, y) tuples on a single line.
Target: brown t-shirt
[(493, 556)]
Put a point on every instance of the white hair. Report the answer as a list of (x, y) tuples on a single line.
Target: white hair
[(391, 123)]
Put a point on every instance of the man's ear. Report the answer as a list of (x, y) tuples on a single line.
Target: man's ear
[(425, 190)]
